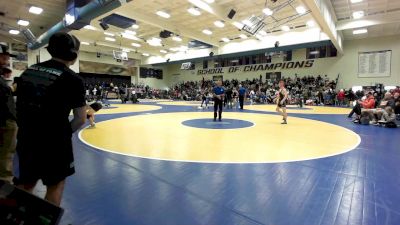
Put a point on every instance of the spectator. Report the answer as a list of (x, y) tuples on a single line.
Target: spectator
[(8, 125), (388, 115), (367, 103), (340, 97), (351, 97), (44, 101), (396, 101), (385, 102)]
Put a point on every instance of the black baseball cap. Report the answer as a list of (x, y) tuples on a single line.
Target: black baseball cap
[(4, 51), (63, 46)]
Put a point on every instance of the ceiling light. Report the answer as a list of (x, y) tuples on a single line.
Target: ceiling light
[(247, 23), (130, 32), (109, 39), (209, 1), (135, 26), (89, 27), (314, 52), (225, 39), (268, 11), (23, 23), (154, 41), (136, 45), (176, 38), (310, 23), (146, 54), (285, 28), (206, 31), (163, 14), (360, 31), (69, 19), (183, 48), (219, 23), (194, 11), (243, 36), (358, 14), (300, 9), (109, 34), (262, 32), (85, 43), (130, 36), (355, 1), (35, 10), (15, 32), (163, 51), (238, 25)]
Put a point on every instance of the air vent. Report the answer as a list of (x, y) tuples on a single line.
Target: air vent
[(198, 44), (118, 21)]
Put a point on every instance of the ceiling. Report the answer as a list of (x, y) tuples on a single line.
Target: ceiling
[(383, 15), (187, 26), (53, 11), (386, 13)]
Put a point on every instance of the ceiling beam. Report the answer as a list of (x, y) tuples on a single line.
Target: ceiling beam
[(368, 21), (324, 15)]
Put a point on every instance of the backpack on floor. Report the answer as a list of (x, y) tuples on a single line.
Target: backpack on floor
[(391, 125)]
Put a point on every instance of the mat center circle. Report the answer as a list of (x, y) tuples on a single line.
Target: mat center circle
[(207, 123)]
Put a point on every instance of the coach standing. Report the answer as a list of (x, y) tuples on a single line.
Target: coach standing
[(47, 92), (242, 95), (8, 124), (219, 93)]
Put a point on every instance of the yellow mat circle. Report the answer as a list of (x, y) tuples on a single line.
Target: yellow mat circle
[(162, 136)]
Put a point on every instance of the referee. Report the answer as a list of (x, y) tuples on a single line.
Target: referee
[(219, 93), (242, 95)]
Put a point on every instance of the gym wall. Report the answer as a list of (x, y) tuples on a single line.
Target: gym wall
[(346, 65)]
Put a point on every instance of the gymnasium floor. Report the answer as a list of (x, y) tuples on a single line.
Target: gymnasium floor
[(161, 163)]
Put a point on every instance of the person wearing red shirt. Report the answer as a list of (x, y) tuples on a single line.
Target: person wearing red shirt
[(369, 102), (340, 97)]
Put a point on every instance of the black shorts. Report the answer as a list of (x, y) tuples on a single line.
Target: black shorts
[(51, 163)]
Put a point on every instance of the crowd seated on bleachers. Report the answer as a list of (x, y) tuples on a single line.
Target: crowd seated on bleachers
[(309, 90), (379, 108)]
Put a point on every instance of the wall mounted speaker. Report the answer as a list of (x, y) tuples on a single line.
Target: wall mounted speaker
[(231, 14)]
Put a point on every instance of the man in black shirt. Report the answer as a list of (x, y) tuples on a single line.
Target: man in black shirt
[(8, 125), (228, 97), (47, 92)]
